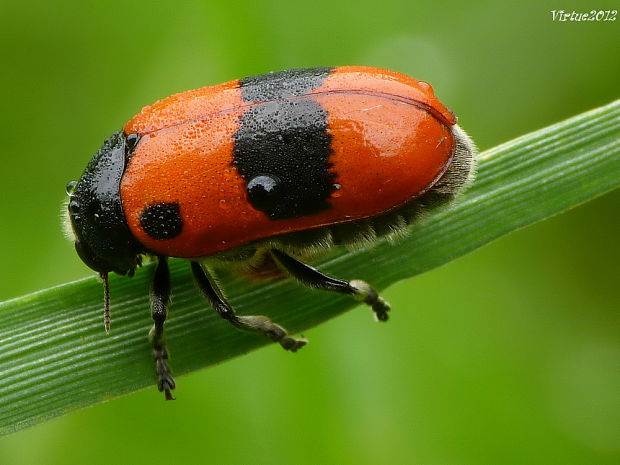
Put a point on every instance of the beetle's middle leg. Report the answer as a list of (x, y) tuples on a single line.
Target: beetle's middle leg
[(254, 323)]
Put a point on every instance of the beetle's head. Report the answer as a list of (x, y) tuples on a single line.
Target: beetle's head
[(95, 212)]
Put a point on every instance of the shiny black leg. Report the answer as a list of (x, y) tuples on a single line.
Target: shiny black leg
[(160, 297), (254, 323), (310, 276)]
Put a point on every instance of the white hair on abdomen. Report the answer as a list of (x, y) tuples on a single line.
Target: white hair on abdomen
[(462, 170), (65, 221)]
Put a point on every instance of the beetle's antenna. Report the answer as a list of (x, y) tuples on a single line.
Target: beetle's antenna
[(106, 301)]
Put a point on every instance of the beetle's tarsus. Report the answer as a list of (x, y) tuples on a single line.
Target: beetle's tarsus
[(165, 381), (293, 344), (381, 309), (367, 294), (262, 324)]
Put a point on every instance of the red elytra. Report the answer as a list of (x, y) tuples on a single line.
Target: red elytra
[(265, 169), (391, 140)]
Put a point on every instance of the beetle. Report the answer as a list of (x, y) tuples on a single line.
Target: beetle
[(272, 168)]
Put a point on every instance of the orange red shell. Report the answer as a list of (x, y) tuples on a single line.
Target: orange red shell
[(334, 144)]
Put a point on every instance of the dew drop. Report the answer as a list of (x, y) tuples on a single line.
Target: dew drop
[(70, 187), (264, 191), (337, 193)]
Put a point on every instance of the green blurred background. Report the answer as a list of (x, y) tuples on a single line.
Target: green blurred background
[(510, 355)]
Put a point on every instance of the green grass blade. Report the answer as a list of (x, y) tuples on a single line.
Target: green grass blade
[(55, 357)]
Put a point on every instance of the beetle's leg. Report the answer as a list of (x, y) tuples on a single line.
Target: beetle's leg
[(160, 297), (310, 276), (255, 323)]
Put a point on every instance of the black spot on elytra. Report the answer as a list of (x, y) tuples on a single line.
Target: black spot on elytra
[(162, 221), (282, 150), (282, 84)]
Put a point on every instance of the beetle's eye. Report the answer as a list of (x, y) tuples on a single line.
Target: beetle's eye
[(74, 207), (70, 187)]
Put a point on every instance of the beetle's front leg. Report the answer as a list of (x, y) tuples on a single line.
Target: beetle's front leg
[(160, 298)]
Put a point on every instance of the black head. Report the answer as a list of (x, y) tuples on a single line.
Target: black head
[(102, 238)]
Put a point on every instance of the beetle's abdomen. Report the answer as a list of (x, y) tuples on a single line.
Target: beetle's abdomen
[(222, 166)]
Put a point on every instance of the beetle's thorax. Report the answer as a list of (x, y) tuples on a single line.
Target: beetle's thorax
[(102, 239)]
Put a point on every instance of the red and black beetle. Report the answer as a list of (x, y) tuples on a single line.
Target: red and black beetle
[(275, 167)]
